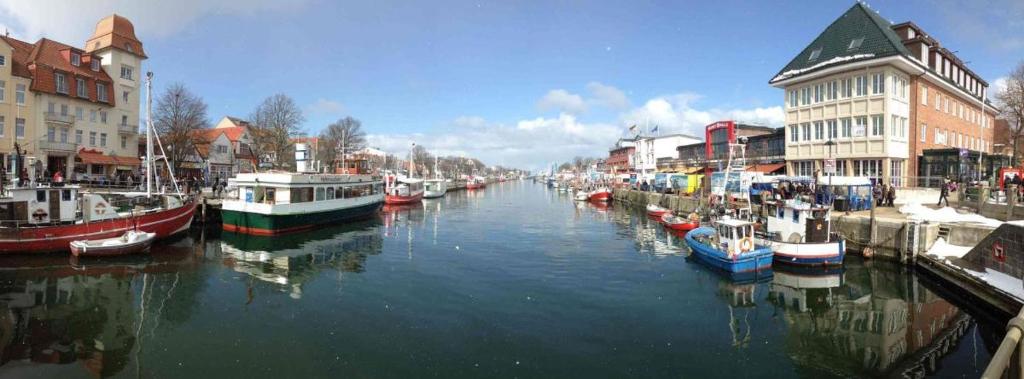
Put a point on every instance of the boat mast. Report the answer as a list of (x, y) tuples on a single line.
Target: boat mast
[(411, 164), (150, 165)]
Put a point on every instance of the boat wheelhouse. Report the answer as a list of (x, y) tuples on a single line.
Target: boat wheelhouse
[(800, 233), (729, 245), (272, 203)]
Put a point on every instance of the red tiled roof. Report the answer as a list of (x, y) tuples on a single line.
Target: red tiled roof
[(117, 32), (39, 61), (233, 133)]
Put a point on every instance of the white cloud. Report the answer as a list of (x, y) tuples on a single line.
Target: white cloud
[(677, 114), (73, 22), (325, 107), (607, 95), (562, 101), (998, 85)]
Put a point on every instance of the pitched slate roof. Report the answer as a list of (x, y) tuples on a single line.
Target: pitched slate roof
[(879, 40)]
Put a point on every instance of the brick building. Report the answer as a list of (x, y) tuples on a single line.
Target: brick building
[(886, 101)]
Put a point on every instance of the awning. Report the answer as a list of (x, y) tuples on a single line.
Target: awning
[(192, 165), (96, 157), (693, 170), (767, 168), (128, 161)]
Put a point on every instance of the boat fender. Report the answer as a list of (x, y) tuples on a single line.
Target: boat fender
[(747, 244)]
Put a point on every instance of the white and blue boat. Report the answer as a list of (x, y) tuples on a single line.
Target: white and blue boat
[(800, 233), (729, 245)]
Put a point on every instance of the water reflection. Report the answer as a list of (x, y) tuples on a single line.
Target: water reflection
[(289, 261), (863, 322)]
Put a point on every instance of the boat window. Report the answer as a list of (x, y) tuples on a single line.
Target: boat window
[(782, 212), (339, 193), (378, 188), (302, 195), (40, 195), (271, 195), (796, 215), (349, 193), (741, 232), (65, 195), (320, 193), (772, 209), (330, 193), (259, 194)]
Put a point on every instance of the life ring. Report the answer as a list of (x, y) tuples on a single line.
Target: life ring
[(746, 244)]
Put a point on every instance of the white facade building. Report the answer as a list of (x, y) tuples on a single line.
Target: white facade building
[(649, 149)]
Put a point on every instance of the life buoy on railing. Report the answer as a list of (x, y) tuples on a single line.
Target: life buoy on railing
[(746, 244)]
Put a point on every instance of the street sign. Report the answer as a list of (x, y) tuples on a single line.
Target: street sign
[(830, 166)]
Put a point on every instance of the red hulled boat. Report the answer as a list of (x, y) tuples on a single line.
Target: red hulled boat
[(600, 195), (680, 223), (401, 191), (657, 211), (474, 182)]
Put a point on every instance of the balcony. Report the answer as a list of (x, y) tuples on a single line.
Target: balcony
[(56, 146), (65, 119), (128, 128)]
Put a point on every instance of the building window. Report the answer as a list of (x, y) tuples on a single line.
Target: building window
[(860, 126), (805, 96), (78, 137), (924, 132), (877, 125), (103, 117), (877, 84), (51, 133), (79, 113), (793, 99), (840, 167), (945, 104), (124, 97), (124, 120), (3, 60), (804, 168), (63, 109), (819, 93), (830, 92), (101, 92), (124, 142), (862, 85), (794, 133), (896, 172), (833, 130), (848, 88), (19, 94), (92, 138), (806, 130), (2, 123), (103, 139), (819, 130), (64, 135), (867, 167), (940, 137), (19, 127), (61, 83), (847, 129), (924, 95), (76, 59), (80, 87), (3, 91), (855, 43), (127, 72), (95, 63)]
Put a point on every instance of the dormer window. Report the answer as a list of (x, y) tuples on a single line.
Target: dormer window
[(76, 59), (855, 44), (95, 64), (815, 54), (60, 83), (128, 46)]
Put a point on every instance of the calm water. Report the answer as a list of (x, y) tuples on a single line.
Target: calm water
[(512, 281)]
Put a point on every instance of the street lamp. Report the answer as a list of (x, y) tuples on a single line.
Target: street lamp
[(831, 197)]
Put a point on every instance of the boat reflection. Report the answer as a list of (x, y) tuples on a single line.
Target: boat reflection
[(291, 260), (860, 322), (81, 320)]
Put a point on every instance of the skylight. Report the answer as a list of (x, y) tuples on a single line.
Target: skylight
[(815, 54), (855, 43)]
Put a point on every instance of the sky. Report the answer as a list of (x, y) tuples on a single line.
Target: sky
[(515, 83)]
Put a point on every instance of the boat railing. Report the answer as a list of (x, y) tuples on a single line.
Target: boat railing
[(1002, 358)]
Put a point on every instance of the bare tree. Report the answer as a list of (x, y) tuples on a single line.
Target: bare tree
[(423, 160), (1011, 100), (339, 138), (274, 122), (179, 118)]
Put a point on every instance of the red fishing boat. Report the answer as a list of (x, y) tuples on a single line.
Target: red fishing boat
[(657, 211), (475, 182), (402, 191), (600, 195), (680, 223)]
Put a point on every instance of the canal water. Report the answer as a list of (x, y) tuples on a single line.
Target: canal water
[(515, 280)]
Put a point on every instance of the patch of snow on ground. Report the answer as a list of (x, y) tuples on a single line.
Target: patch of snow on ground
[(943, 249), (1002, 281), (792, 73), (945, 214)]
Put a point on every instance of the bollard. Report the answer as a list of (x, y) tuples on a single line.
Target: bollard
[(1011, 200)]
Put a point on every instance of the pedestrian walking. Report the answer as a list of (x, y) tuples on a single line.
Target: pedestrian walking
[(890, 195), (944, 193)]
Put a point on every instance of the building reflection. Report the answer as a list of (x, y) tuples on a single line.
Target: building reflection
[(865, 322), (291, 260), (86, 318)]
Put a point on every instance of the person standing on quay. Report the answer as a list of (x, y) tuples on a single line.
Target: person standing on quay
[(944, 193)]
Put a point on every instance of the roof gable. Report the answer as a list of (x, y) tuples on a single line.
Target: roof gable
[(833, 45)]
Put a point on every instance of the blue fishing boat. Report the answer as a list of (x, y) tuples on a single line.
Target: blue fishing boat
[(729, 245)]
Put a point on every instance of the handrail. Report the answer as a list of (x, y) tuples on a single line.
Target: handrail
[(1011, 342)]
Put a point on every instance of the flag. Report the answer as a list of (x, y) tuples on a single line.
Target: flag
[(632, 128), (655, 130)]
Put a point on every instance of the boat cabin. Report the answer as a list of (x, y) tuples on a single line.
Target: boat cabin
[(796, 221), (403, 186), (287, 188), (734, 236), (434, 185), (38, 205)]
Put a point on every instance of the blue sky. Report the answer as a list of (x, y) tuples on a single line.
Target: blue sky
[(514, 83)]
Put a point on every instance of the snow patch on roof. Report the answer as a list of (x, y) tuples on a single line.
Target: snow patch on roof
[(792, 73)]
